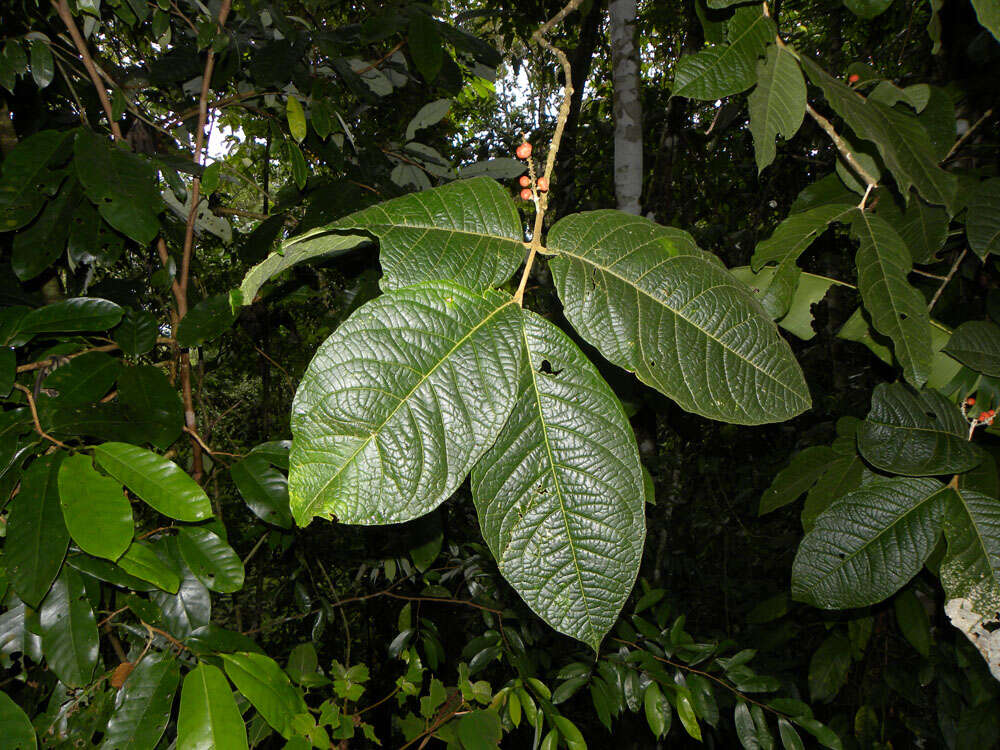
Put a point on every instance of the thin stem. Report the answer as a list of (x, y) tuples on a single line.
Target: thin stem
[(966, 134), (34, 417), (844, 149), (951, 273)]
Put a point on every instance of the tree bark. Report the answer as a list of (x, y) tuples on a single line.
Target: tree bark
[(627, 106)]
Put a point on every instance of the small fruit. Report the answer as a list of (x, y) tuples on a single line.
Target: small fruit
[(543, 184), (121, 673), (970, 401), (526, 194), (525, 181), (523, 151), (853, 78)]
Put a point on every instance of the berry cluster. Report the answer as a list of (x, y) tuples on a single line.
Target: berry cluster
[(984, 417), (523, 152)]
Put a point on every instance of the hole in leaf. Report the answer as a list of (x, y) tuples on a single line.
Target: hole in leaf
[(546, 368), (903, 316), (930, 415), (652, 363)]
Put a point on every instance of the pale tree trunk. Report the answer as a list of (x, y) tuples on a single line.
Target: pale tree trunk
[(627, 106)]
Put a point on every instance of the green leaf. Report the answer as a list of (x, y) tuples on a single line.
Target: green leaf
[(107, 571), (869, 543), (971, 566), (69, 630), (212, 560), (37, 539), (777, 104), (205, 321), (656, 708), (653, 303), (983, 223), (264, 489), (190, 608), (425, 45), (897, 309), (18, 734), (976, 344), (430, 114), (867, 9), (789, 737), (913, 621), (916, 434), (296, 119), (560, 494), (8, 370), (140, 561), (902, 142), (261, 680), (29, 176), (685, 712), (210, 178), (160, 483), (121, 185), (39, 245), (923, 227), (401, 401), (988, 12), (142, 709), (828, 668), (42, 66), (97, 514), (83, 379), (71, 315), (745, 729), (300, 172), (152, 404), (137, 332), (726, 69), (805, 468), (209, 718)]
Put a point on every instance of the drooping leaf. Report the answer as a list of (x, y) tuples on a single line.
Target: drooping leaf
[(97, 514), (205, 321), (560, 493), (142, 562), (71, 315), (913, 621), (155, 480), (37, 539), (69, 630), (211, 559), (267, 687), (725, 69), (425, 45), (30, 176), (869, 543), (976, 344), (790, 739), (988, 12), (17, 730), (897, 309), (401, 401), (745, 729), (828, 667), (152, 404), (264, 489), (83, 379), (806, 466), (867, 9), (296, 119), (655, 304), (209, 718), (142, 708), (777, 104), (971, 566), (983, 224), (916, 434)]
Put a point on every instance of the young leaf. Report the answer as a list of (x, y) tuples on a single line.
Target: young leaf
[(142, 708), (209, 717), (655, 304), (976, 344), (212, 561), (777, 104), (69, 630), (560, 493), (897, 309), (17, 729), (261, 680), (971, 566), (401, 401), (37, 539), (865, 546), (158, 482), (97, 514)]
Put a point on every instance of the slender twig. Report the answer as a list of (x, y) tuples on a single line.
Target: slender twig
[(929, 275), (34, 417), (255, 548), (965, 136), (951, 273), (382, 59), (842, 147)]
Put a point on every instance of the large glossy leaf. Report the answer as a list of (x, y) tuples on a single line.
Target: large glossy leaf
[(916, 434), (152, 404), (971, 566), (560, 493), (142, 708), (186, 610), (29, 178), (802, 472), (69, 630), (983, 224), (122, 185), (107, 571), (209, 718), (206, 320), (84, 379), (401, 401), (267, 687), (136, 334), (264, 489), (897, 309), (39, 245), (155, 480), (976, 344), (97, 514), (71, 315), (467, 232), (18, 734), (902, 142), (777, 104), (211, 559), (725, 69), (37, 539), (142, 562), (655, 304), (869, 543)]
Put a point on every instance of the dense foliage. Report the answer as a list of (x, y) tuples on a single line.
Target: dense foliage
[(272, 263)]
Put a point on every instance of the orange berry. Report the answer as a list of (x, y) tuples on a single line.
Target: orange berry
[(853, 78), (543, 184), (523, 151), (970, 401), (526, 194), (525, 180)]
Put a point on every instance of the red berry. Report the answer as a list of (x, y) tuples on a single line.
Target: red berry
[(970, 401), (853, 78), (525, 180), (523, 151), (526, 194), (543, 184)]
